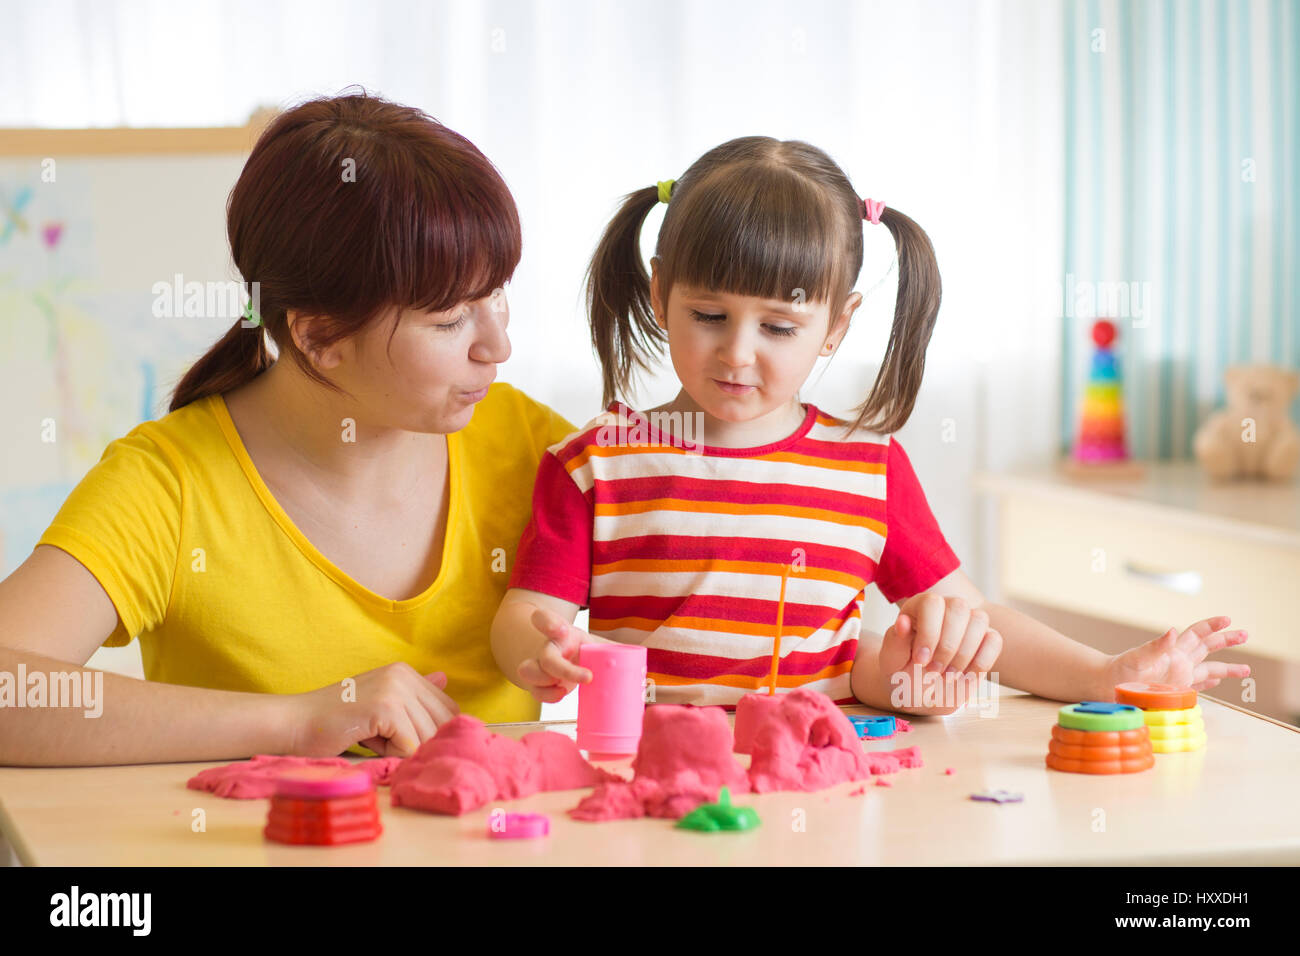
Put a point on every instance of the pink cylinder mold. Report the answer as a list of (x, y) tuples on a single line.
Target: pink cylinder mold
[(611, 707)]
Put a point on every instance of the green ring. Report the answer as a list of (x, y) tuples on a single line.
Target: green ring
[(1124, 720)]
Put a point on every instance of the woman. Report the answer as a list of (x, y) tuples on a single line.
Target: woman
[(311, 547)]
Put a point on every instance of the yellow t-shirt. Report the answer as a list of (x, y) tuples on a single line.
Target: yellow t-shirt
[(224, 592)]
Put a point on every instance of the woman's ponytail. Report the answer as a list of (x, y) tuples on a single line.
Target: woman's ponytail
[(238, 357), (624, 333), (894, 393)]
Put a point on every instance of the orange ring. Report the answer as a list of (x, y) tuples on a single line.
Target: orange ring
[(1074, 752), (1100, 766), (1100, 738), (1150, 696)]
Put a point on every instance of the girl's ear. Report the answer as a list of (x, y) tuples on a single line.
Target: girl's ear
[(840, 325)]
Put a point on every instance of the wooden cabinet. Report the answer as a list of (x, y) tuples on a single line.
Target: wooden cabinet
[(1165, 550)]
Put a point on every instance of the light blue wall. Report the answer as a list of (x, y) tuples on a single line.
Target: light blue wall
[(1181, 173)]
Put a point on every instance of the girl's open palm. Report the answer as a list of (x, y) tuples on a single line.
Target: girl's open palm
[(1179, 659)]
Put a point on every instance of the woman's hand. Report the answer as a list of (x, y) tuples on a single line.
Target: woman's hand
[(554, 672), (1179, 659), (391, 710)]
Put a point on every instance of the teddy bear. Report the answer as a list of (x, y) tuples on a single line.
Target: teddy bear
[(1252, 437)]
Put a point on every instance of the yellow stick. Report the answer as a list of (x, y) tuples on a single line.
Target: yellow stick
[(776, 642)]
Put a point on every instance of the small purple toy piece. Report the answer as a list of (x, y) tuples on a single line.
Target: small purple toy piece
[(998, 796), (518, 826)]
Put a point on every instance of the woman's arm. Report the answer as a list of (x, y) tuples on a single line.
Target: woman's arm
[(53, 616)]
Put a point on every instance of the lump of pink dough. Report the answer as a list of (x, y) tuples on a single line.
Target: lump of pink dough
[(462, 767), (749, 712), (805, 744), (625, 800), (901, 726), (889, 761), (465, 765), (562, 764), (687, 750), (684, 759), (451, 785), (381, 769), (254, 779)]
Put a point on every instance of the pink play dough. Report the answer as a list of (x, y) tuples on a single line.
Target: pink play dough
[(684, 759), (805, 744), (751, 708), (889, 761), (799, 741), (465, 765), (254, 779), (749, 711)]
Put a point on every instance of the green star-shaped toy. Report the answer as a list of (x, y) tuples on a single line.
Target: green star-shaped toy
[(716, 817)]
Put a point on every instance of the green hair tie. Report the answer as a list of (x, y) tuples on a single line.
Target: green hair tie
[(251, 314), (666, 189)]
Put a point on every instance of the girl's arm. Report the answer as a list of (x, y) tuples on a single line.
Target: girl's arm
[(536, 645), (1043, 661)]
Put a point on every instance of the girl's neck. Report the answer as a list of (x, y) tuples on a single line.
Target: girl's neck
[(767, 429)]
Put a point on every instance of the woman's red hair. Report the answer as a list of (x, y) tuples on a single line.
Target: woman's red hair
[(349, 208)]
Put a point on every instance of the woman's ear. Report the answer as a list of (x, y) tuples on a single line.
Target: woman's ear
[(300, 329)]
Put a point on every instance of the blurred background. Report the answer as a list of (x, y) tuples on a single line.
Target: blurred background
[(1070, 159)]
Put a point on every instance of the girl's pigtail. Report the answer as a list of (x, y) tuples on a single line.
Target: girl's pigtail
[(893, 395), (624, 334)]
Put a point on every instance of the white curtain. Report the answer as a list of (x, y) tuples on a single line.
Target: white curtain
[(949, 110)]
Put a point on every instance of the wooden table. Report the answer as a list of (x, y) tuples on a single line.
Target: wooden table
[(1234, 802)]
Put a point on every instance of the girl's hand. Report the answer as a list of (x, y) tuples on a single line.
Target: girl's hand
[(921, 634), (942, 634), (391, 710), (1179, 659), (554, 672)]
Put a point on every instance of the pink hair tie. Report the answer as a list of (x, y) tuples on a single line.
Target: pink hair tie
[(872, 210)]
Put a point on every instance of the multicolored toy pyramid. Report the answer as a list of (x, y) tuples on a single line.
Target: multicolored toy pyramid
[(1099, 445)]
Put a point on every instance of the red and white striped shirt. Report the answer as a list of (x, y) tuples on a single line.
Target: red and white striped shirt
[(681, 548)]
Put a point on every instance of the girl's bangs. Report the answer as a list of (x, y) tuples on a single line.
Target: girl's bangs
[(763, 236)]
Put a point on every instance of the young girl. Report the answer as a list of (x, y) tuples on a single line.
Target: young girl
[(682, 527)]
